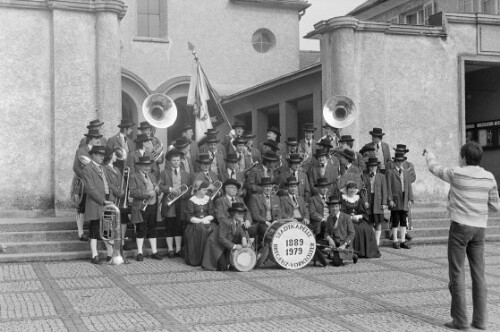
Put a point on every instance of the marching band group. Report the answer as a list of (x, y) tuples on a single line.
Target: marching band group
[(222, 196)]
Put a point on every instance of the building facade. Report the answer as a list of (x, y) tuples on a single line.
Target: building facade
[(68, 62), (425, 85)]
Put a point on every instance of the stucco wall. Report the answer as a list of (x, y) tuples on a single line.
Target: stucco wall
[(50, 87), (221, 31), (407, 85), (26, 126)]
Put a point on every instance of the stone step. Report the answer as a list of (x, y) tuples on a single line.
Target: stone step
[(36, 224), (65, 256), (38, 236)]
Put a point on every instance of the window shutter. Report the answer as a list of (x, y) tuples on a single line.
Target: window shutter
[(428, 11), (465, 6)]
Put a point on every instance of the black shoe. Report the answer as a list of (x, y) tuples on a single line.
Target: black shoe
[(478, 327), (180, 254), (404, 245), (318, 256), (262, 256), (96, 260), (84, 238), (139, 258), (396, 245), (108, 258), (451, 325), (408, 237), (355, 258), (171, 254), (156, 256)]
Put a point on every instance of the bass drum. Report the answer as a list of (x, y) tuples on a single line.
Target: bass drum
[(243, 260), (292, 244)]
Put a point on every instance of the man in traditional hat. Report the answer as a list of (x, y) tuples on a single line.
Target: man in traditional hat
[(292, 146), (265, 207), (236, 132), (347, 142), (211, 133), (376, 190), (218, 164), (157, 156), (92, 139), (294, 205), (94, 124), (266, 169), (193, 151), (230, 190), (401, 148), (382, 150), (122, 139), (172, 178), (140, 151), (400, 198), (294, 170), (307, 145), (330, 133), (346, 158), (412, 177), (323, 169), (339, 233), (205, 174), (98, 192), (232, 172), (273, 134), (318, 208), (254, 152), (187, 162), (144, 190), (244, 156), (229, 236)]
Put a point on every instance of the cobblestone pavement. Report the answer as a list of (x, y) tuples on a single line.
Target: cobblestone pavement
[(405, 290)]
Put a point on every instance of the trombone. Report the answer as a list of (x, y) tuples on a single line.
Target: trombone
[(214, 189)]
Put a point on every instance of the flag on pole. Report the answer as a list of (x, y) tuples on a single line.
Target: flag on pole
[(205, 101)]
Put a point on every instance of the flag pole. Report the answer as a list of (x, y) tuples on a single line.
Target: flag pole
[(209, 86)]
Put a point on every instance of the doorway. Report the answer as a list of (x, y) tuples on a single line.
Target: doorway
[(482, 117)]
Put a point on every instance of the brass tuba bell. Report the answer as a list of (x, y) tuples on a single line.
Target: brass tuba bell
[(159, 110), (340, 111)]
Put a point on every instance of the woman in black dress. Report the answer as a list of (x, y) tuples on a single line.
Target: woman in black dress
[(364, 242), (200, 214)]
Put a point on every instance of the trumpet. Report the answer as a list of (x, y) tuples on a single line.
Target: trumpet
[(213, 189), (176, 194), (110, 230)]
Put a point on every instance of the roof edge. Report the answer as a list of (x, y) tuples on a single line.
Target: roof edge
[(273, 83), (298, 5), (350, 22)]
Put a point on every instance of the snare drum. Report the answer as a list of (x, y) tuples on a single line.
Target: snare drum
[(292, 244), (243, 260)]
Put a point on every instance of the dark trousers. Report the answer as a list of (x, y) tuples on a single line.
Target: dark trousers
[(398, 218), (147, 228), (466, 240)]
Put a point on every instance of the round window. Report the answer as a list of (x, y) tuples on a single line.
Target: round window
[(263, 40)]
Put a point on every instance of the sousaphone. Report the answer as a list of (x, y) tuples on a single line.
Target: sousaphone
[(340, 111), (159, 110)]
